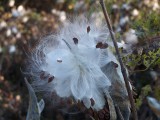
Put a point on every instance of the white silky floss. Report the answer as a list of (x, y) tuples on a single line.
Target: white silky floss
[(74, 59)]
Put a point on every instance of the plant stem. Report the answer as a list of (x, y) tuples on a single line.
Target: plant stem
[(126, 79)]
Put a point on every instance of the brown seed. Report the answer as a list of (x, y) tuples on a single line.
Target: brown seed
[(50, 79), (75, 41), (59, 60), (105, 45), (115, 65), (92, 101), (88, 29), (101, 45)]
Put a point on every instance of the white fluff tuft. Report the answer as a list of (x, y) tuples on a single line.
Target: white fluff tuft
[(69, 63)]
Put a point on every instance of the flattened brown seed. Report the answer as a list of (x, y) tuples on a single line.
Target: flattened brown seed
[(50, 79), (115, 65), (59, 60), (75, 41), (99, 45), (88, 29), (92, 101), (105, 45)]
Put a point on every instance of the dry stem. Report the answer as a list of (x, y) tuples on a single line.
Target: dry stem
[(126, 79)]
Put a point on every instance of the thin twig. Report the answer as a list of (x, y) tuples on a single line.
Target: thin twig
[(126, 79)]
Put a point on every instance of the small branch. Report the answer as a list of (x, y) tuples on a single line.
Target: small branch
[(126, 79)]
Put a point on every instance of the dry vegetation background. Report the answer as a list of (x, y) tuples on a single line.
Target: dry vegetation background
[(24, 22)]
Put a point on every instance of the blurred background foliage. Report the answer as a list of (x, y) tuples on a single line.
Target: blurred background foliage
[(136, 24)]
